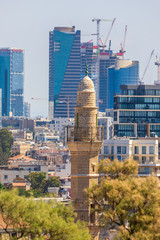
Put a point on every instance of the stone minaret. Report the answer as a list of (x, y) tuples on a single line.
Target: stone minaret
[(84, 145)]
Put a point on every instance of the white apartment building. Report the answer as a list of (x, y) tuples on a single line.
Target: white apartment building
[(58, 124), (8, 173), (107, 123), (144, 150)]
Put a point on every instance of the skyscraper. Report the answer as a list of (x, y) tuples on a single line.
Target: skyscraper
[(27, 109), (105, 60), (12, 81), (64, 71), (122, 73), (89, 57)]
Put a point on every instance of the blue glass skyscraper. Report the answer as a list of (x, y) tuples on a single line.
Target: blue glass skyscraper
[(89, 57), (64, 71), (124, 72), (105, 60), (12, 81)]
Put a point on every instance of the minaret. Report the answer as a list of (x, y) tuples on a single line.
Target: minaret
[(84, 145)]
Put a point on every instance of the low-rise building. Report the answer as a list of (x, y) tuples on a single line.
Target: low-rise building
[(144, 150), (20, 147), (9, 173)]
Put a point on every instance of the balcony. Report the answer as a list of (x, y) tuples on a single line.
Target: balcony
[(84, 134)]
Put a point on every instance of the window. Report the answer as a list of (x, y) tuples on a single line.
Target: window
[(118, 149), (106, 150), (143, 149), (136, 158), (143, 160), (17, 176), (92, 214), (119, 158), (123, 149), (112, 150), (151, 150), (150, 159), (93, 167), (115, 116), (136, 149), (5, 176), (112, 158)]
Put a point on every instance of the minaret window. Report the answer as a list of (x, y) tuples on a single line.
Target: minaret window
[(93, 167), (77, 120)]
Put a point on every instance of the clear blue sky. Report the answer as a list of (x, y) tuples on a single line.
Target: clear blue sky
[(26, 24)]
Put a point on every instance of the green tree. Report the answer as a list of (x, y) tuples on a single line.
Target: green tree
[(36, 179), (31, 219), (51, 182), (3, 158), (126, 202), (6, 140)]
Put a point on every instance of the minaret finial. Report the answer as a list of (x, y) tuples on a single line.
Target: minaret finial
[(87, 69)]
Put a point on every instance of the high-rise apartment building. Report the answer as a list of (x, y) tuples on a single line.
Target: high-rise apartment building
[(64, 71), (89, 59), (137, 111), (105, 60), (12, 81), (27, 109), (121, 73)]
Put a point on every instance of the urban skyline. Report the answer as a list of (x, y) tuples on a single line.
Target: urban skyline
[(142, 36)]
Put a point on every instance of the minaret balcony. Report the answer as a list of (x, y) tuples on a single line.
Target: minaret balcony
[(84, 134)]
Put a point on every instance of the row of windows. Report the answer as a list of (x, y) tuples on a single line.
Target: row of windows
[(139, 113), (137, 99), (123, 150), (141, 92), (136, 106), (124, 127), (151, 159), (138, 120), (137, 148), (120, 150)]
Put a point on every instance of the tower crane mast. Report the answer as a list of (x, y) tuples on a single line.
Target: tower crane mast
[(157, 63), (98, 20)]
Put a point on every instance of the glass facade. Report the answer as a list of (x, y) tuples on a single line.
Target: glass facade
[(12, 81), (89, 57), (140, 113), (64, 71), (105, 90), (126, 73)]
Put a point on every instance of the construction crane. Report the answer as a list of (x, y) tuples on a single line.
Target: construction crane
[(39, 99), (104, 44), (158, 72), (98, 20), (147, 66), (124, 42), (109, 33), (67, 101)]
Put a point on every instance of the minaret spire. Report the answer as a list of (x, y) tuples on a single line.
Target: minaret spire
[(87, 69)]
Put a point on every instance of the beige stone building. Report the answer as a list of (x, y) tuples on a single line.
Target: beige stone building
[(85, 141), (20, 147)]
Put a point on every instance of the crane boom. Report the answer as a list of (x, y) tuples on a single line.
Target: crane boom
[(110, 30), (148, 64), (124, 41)]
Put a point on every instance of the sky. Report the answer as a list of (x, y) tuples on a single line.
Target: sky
[(26, 24)]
